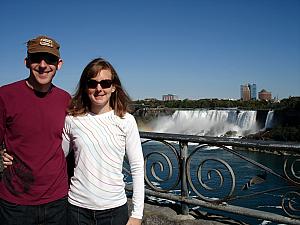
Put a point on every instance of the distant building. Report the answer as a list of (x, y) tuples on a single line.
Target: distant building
[(264, 95), (248, 92), (253, 92), (169, 97), (150, 99)]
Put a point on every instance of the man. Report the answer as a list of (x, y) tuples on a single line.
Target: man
[(32, 113)]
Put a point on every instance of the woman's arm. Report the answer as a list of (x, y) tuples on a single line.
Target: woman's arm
[(136, 161), (66, 140)]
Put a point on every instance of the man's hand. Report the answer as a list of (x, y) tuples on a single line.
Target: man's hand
[(134, 221)]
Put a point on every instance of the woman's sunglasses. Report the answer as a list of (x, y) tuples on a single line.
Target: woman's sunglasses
[(103, 83), (48, 58)]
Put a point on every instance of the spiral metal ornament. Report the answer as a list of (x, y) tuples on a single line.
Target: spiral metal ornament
[(212, 174), (159, 164), (292, 170), (291, 204)]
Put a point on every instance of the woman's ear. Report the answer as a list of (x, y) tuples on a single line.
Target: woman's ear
[(113, 89)]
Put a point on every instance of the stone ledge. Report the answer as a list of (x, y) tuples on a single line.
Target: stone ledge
[(164, 215)]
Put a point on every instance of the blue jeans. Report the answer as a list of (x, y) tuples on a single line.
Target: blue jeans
[(54, 213), (83, 216)]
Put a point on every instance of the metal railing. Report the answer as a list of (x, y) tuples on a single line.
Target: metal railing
[(181, 168)]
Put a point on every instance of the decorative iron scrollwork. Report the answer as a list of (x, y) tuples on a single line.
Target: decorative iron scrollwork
[(291, 169), (220, 167), (291, 204), (159, 161)]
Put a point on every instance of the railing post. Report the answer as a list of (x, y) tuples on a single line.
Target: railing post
[(184, 188)]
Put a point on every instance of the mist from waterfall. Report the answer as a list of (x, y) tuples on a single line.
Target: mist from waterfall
[(205, 122)]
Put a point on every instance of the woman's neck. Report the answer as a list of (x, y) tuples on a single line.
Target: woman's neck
[(100, 110)]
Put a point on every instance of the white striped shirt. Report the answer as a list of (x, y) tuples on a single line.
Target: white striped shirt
[(100, 143)]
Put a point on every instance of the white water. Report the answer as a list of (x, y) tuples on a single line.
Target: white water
[(269, 120), (204, 122)]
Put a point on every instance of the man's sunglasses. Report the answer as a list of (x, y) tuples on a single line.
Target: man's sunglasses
[(103, 83), (48, 58)]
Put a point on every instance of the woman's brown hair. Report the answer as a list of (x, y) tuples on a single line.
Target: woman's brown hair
[(80, 103)]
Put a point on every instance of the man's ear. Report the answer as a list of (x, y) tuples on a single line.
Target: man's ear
[(59, 64), (26, 62)]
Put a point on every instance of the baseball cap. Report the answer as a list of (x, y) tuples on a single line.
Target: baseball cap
[(43, 44)]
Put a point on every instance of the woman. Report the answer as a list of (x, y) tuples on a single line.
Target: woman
[(100, 131)]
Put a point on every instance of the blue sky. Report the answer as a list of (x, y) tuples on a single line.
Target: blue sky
[(192, 48)]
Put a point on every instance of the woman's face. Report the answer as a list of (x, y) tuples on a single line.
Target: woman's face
[(99, 91)]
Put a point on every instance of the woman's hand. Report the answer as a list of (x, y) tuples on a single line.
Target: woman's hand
[(7, 159), (134, 221)]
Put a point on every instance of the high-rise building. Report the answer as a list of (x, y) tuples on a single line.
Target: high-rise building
[(252, 91), (248, 92)]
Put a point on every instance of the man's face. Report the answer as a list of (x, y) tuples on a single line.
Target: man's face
[(42, 68)]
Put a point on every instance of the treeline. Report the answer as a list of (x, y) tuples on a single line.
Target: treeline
[(291, 103)]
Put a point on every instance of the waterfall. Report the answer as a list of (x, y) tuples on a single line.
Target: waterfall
[(269, 120), (205, 122)]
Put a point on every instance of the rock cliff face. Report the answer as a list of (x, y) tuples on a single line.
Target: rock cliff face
[(144, 116), (151, 113), (287, 117), (285, 127), (261, 117)]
